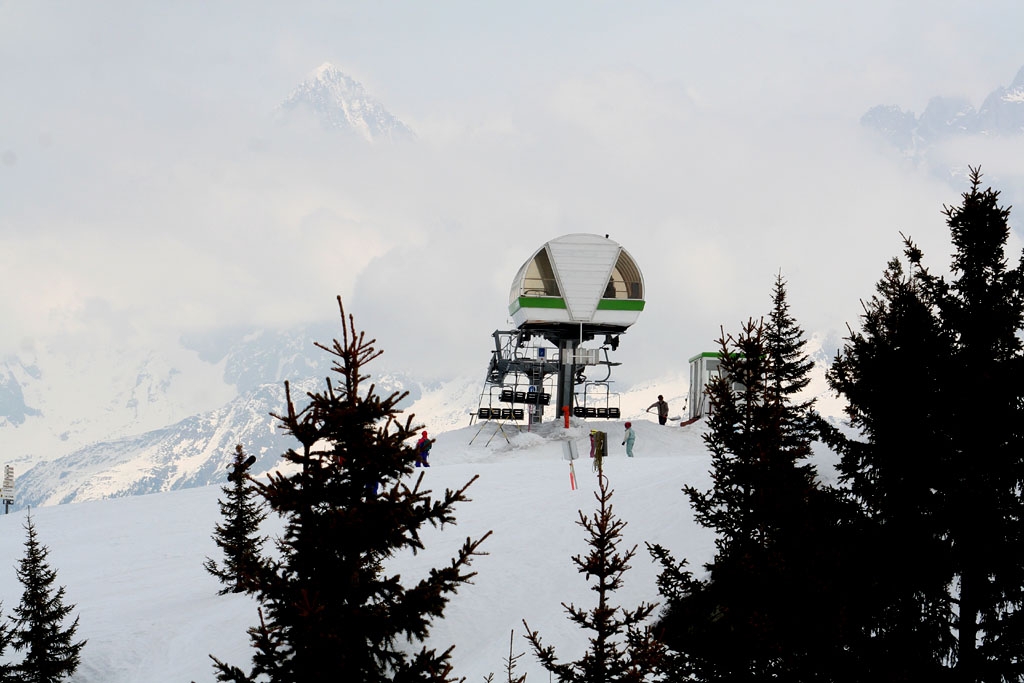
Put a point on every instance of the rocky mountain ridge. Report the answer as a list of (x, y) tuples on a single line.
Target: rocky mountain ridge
[(945, 117), (339, 102)]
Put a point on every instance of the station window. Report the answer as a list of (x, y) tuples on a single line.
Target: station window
[(625, 282), (539, 279)]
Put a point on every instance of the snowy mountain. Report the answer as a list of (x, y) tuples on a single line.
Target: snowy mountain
[(196, 451), (186, 451), (133, 566), (193, 451), (1001, 114), (13, 409), (950, 135), (340, 102), (56, 397)]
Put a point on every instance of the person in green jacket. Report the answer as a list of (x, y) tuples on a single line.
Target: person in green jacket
[(628, 439)]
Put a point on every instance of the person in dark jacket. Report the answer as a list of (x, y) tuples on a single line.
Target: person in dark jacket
[(662, 409), (423, 450)]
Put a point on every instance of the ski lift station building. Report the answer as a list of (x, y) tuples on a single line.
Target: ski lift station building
[(581, 281), (571, 290)]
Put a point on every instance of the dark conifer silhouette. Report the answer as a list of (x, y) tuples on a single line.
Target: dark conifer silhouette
[(622, 647), (788, 373), (330, 609), (51, 651), (238, 535), (759, 443), (8, 670), (772, 604), (938, 471), (893, 472)]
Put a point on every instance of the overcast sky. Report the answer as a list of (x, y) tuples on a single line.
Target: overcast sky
[(147, 193)]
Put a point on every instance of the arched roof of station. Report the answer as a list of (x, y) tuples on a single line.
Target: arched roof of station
[(582, 274)]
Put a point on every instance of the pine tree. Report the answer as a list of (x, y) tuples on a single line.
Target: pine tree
[(238, 536), (982, 310), (51, 652), (788, 372), (773, 605), (940, 467), (758, 439), (890, 373), (330, 610), (622, 647), (8, 671)]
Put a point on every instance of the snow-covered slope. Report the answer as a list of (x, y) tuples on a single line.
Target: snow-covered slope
[(132, 566)]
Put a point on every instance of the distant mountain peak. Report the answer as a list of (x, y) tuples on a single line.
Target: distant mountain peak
[(1018, 82), (327, 70), (1002, 114), (342, 103), (1015, 93)]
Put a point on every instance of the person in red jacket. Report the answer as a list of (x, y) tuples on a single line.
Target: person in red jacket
[(423, 450)]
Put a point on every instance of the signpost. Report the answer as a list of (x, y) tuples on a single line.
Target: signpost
[(7, 489)]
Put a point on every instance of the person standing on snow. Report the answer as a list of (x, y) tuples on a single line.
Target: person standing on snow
[(628, 439), (423, 450), (662, 409)]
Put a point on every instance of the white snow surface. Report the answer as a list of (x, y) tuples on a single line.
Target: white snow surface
[(133, 566)]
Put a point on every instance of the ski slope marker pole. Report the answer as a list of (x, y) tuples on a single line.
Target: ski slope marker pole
[(572, 477)]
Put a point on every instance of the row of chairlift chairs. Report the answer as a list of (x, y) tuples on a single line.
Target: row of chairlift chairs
[(597, 405), (513, 396), (591, 406)]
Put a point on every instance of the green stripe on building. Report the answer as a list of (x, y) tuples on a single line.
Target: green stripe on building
[(559, 302), (620, 305)]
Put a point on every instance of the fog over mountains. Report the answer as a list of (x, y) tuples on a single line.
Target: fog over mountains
[(932, 139), (1001, 114), (84, 425)]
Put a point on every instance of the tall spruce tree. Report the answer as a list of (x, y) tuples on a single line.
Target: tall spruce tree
[(238, 535), (788, 372), (8, 670), (51, 651), (982, 310), (890, 373), (330, 610), (622, 647), (773, 604), (941, 462)]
